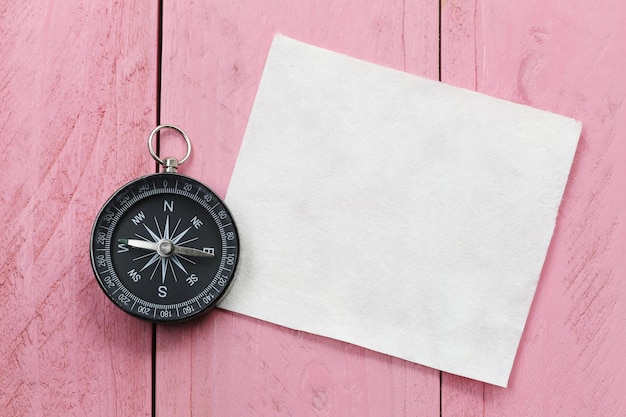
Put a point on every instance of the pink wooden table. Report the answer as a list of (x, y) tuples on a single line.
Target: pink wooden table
[(82, 82)]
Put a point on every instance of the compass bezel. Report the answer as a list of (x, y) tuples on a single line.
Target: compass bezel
[(215, 281)]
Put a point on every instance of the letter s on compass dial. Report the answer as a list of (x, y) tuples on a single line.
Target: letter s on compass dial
[(164, 248)]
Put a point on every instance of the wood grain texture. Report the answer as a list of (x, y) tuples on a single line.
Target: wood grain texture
[(567, 57), (77, 96), (230, 365)]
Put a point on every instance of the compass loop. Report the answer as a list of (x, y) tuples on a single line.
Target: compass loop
[(170, 164)]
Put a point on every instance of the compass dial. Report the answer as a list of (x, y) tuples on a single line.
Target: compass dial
[(164, 248)]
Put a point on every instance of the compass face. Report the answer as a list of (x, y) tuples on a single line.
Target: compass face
[(164, 248)]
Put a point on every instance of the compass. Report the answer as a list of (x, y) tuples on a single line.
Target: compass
[(164, 247)]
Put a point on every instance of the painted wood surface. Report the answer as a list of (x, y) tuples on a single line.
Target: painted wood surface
[(78, 91), (77, 96), (230, 365), (567, 57)]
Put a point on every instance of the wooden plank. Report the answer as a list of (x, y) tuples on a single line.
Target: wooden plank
[(565, 57), (77, 98), (226, 364)]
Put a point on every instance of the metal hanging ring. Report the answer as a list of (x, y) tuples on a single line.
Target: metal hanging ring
[(179, 130)]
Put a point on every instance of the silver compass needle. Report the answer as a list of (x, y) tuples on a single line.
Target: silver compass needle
[(183, 250), (155, 246), (141, 244)]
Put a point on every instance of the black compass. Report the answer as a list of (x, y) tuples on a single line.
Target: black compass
[(164, 247)]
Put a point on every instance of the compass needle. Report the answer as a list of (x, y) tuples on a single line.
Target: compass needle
[(184, 250), (140, 244), (166, 226)]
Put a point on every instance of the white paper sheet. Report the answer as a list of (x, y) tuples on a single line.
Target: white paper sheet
[(394, 212)]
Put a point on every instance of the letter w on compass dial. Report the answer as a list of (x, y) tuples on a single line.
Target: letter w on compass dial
[(164, 248)]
